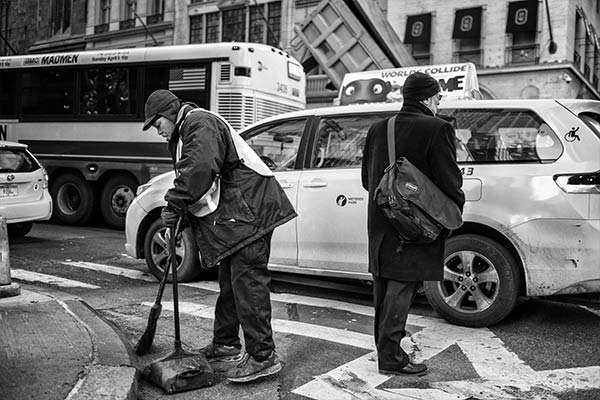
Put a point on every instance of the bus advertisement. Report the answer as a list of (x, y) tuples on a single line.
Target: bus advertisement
[(81, 113), (457, 81)]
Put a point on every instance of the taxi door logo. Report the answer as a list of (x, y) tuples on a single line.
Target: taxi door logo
[(521, 16), (416, 29), (466, 23), (341, 200)]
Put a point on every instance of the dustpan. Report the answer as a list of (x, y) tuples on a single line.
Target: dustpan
[(181, 370)]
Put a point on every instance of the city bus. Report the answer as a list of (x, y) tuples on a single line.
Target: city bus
[(81, 113)]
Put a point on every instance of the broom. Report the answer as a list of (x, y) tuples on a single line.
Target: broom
[(143, 345), (180, 370)]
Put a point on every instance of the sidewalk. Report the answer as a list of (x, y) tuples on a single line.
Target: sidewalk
[(61, 349)]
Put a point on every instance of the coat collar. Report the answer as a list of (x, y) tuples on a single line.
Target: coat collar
[(185, 108), (413, 106)]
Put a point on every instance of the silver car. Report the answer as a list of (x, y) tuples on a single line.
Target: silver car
[(531, 172)]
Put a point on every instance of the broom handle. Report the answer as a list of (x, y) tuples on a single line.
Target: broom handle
[(174, 278)]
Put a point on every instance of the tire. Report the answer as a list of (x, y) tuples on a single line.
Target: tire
[(117, 194), (20, 229), (188, 261), (74, 199), (484, 290)]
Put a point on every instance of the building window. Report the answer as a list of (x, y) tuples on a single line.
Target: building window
[(105, 12), (418, 37), (234, 25), (522, 24), (128, 14), (129, 9), (259, 23), (274, 23), (469, 50), (61, 15), (212, 28), (196, 29), (157, 7), (467, 34)]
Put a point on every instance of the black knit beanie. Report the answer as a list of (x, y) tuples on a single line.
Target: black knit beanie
[(420, 86)]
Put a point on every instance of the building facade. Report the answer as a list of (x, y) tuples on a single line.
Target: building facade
[(522, 49)]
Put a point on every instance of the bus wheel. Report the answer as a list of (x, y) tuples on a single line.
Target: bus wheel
[(156, 247), (74, 199), (117, 194), (481, 282)]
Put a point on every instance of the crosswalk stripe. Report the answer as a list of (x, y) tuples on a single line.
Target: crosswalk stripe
[(296, 299), (29, 276), (341, 336), (109, 269)]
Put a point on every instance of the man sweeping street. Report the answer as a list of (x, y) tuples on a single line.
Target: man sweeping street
[(232, 227)]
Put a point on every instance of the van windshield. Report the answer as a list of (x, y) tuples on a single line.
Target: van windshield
[(592, 120)]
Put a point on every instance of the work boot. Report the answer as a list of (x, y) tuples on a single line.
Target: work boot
[(250, 369), (221, 357)]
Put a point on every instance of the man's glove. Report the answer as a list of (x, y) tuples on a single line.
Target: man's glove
[(170, 216)]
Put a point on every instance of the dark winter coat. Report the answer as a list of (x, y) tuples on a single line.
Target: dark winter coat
[(250, 204), (429, 143)]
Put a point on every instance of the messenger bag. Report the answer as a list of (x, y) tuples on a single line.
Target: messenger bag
[(415, 206)]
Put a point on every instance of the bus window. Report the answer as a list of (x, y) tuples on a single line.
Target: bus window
[(8, 93), (189, 83), (107, 91), (47, 92)]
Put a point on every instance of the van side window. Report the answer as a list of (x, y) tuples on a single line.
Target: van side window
[(498, 136), (341, 139), (277, 144)]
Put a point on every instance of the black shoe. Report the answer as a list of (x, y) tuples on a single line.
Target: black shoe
[(408, 369)]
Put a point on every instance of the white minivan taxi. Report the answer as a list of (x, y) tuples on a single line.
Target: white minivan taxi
[(531, 171)]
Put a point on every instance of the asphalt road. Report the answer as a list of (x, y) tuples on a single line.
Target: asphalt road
[(544, 350)]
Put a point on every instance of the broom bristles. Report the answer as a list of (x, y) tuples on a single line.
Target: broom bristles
[(145, 342)]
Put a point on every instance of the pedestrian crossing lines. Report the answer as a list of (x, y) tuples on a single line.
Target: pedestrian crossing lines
[(37, 277), (500, 372)]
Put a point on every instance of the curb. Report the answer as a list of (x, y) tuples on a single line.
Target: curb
[(112, 373)]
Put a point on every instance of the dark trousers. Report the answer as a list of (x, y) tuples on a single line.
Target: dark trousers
[(392, 300), (244, 299)]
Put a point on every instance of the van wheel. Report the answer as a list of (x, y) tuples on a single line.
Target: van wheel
[(481, 282), (20, 229), (156, 247), (117, 194), (74, 199)]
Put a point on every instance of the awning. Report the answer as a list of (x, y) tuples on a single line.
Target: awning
[(522, 16), (418, 29), (467, 23)]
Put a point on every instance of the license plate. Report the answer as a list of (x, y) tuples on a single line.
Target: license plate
[(8, 190)]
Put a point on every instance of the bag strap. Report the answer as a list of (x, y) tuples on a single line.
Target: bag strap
[(391, 140)]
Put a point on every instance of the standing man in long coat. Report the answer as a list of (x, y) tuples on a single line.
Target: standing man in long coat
[(428, 143)]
